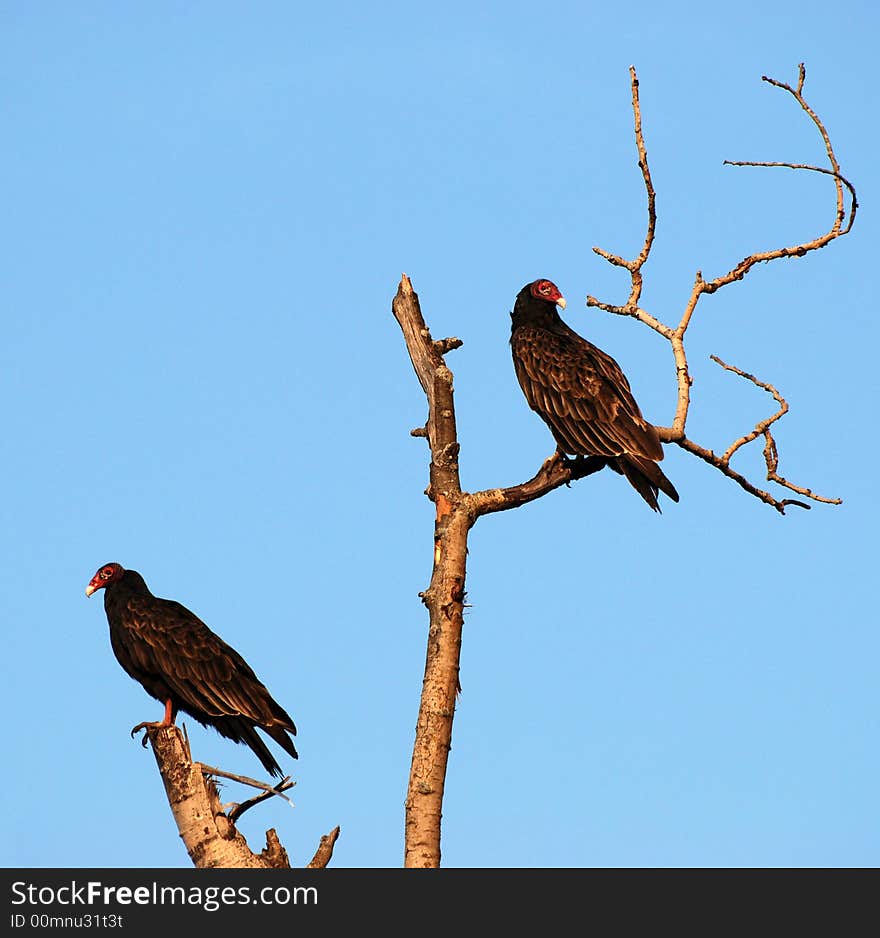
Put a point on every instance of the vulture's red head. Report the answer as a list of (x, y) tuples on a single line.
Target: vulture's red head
[(548, 291), (108, 574)]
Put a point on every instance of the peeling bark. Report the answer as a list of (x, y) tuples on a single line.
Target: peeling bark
[(210, 837)]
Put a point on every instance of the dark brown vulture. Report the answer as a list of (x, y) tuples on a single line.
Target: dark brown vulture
[(181, 662), (581, 393)]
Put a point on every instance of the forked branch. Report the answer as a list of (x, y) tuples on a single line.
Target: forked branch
[(675, 335), (207, 831), (770, 453), (456, 511)]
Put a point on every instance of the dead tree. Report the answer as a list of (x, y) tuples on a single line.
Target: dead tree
[(206, 828), (457, 511)]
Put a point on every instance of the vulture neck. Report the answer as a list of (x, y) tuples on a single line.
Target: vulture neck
[(528, 311), (131, 583)]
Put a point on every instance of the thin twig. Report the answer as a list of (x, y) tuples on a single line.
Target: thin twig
[(244, 780), (764, 424), (239, 809), (771, 457), (631, 307), (741, 480), (854, 202)]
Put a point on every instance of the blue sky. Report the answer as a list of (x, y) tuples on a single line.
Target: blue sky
[(207, 211)]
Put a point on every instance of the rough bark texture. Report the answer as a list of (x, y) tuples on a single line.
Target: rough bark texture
[(456, 513), (444, 597), (210, 837)]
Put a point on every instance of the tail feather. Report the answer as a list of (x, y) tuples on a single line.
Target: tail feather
[(279, 734), (646, 477), (241, 730)]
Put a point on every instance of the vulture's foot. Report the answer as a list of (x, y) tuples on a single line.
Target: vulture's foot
[(146, 727)]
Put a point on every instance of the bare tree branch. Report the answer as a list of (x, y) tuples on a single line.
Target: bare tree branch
[(635, 266), (675, 336), (270, 790), (444, 596), (556, 471), (763, 429), (236, 810), (813, 169), (324, 853), (208, 833), (457, 511)]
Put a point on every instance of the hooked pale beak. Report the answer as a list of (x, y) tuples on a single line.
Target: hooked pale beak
[(91, 588), (561, 302)]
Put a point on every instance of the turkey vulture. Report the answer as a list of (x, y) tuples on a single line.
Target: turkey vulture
[(581, 393), (178, 660)]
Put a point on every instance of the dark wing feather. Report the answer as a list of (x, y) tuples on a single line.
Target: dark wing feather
[(172, 653), (582, 395), (206, 674)]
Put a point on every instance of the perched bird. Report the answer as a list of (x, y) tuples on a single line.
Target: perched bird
[(581, 393), (181, 662)]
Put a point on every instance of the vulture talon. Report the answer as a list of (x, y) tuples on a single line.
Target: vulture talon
[(550, 463), (567, 463), (146, 727)]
